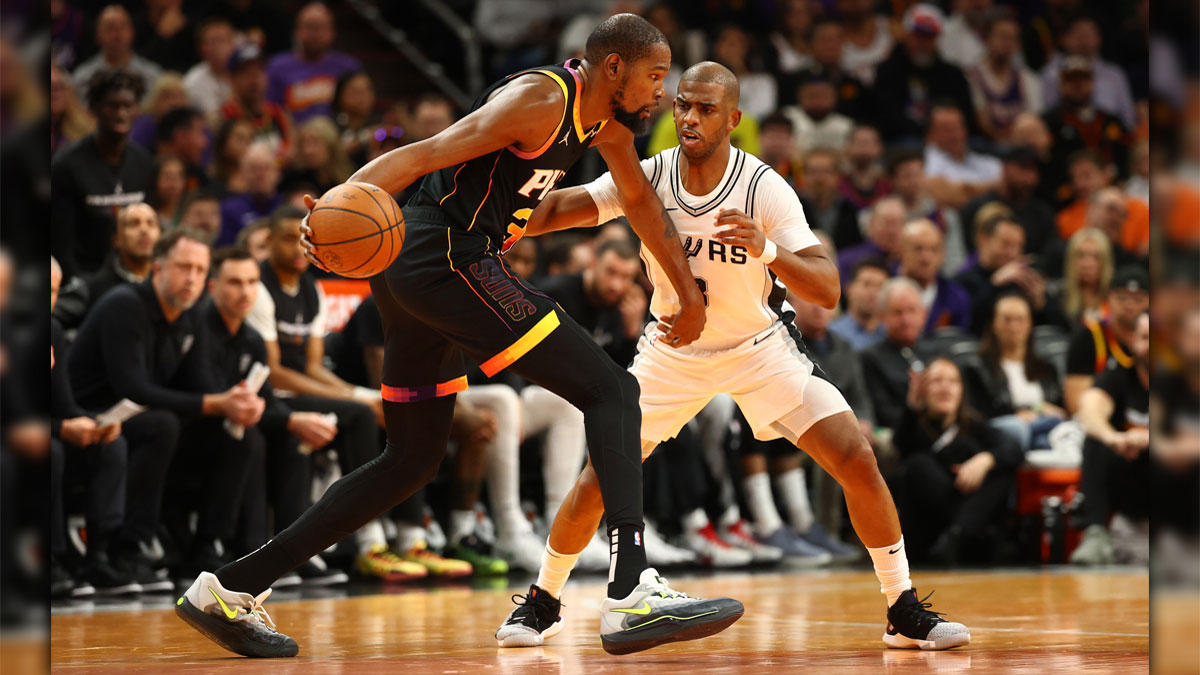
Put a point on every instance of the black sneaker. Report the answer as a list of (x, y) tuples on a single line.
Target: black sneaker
[(236, 621), (315, 572), (912, 625), (141, 569), (108, 579), (61, 583), (535, 619)]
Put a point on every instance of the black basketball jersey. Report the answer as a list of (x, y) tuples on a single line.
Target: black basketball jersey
[(496, 193), (294, 316)]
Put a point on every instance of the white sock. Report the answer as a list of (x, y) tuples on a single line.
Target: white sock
[(729, 517), (462, 525), (408, 535), (556, 567), (369, 536), (891, 566), (762, 504), (794, 493), (695, 521)]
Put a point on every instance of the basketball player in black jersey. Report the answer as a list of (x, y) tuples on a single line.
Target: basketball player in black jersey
[(449, 296)]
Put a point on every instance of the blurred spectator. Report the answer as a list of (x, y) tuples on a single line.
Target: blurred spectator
[(69, 119), (319, 157), (867, 38), (1110, 92), (258, 175), (790, 39), (815, 121), (883, 237), (1001, 267), (906, 170), (201, 211), (207, 82), (302, 81), (731, 48), (1115, 415), (1017, 190), (261, 22), (1104, 344), (170, 181), (1076, 124), (1001, 86), (863, 180), (568, 254), (232, 139), (893, 362), (255, 238), (1030, 131), (956, 474), (354, 113), (914, 77), (922, 250), (953, 173), (839, 359), (182, 133), (431, 115), (165, 34), (965, 32), (248, 82), (114, 36), (138, 230), (66, 33), (1124, 219), (1018, 390), (823, 204), (1138, 185), (779, 148), (97, 175), (167, 95), (853, 97), (860, 325), (1089, 271), (1039, 42)]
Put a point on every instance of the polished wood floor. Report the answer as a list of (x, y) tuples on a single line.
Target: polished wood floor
[(1021, 622)]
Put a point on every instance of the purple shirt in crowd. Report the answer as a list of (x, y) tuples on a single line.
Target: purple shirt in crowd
[(305, 88), (853, 255), (951, 307), (239, 210)]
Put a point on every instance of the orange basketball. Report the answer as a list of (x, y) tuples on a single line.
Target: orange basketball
[(357, 229)]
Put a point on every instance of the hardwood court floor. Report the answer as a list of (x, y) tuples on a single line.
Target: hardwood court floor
[(1034, 621)]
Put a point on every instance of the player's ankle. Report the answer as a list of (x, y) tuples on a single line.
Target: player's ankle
[(630, 560)]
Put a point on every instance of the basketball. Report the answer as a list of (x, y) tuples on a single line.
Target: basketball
[(358, 229)]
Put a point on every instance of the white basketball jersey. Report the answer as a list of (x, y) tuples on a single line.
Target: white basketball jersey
[(743, 296)]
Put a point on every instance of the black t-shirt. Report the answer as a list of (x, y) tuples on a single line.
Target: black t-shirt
[(294, 316), (1131, 400), (1082, 356), (88, 192), (364, 329), (604, 324), (230, 357)]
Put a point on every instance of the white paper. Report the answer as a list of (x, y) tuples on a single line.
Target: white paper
[(123, 410), (255, 379)]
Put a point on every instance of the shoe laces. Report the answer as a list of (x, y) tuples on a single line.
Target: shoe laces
[(535, 607), (256, 614), (663, 590), (920, 610)]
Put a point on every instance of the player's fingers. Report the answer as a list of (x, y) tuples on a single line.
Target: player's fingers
[(309, 202), (313, 259)]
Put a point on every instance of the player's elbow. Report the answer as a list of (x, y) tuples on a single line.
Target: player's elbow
[(830, 299)]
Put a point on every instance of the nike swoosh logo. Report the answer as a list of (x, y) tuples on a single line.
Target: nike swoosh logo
[(644, 609), (229, 614), (895, 551), (671, 208)]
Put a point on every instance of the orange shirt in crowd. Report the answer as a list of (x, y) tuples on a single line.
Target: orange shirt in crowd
[(1135, 233)]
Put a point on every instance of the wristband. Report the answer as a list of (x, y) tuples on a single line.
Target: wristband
[(770, 251)]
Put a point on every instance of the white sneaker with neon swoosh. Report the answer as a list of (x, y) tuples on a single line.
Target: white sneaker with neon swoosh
[(236, 621), (654, 614)]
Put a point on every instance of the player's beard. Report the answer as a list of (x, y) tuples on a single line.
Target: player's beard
[(631, 120), (698, 155)]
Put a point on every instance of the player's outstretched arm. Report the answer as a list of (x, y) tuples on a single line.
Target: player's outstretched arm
[(563, 209), (808, 272), (524, 113), (653, 226)]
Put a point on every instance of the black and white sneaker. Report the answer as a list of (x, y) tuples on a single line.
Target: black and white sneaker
[(535, 619), (912, 625), (315, 572), (654, 614), (236, 621)]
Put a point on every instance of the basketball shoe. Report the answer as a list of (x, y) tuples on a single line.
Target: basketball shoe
[(471, 549), (436, 565), (911, 625), (739, 536), (654, 614), (236, 621), (382, 563), (535, 620), (713, 551)]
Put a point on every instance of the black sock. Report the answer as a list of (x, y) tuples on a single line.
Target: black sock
[(630, 554)]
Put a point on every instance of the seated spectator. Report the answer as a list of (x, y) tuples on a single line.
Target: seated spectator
[(1081, 41), (1089, 271), (248, 83), (914, 76), (354, 113), (790, 49), (92, 455), (863, 181), (259, 174), (201, 211), (853, 97), (890, 364), (1001, 86), (167, 95), (138, 231), (568, 253), (954, 174), (207, 82), (94, 177), (114, 37), (731, 48), (1138, 185), (232, 139), (922, 250), (955, 475), (867, 38), (965, 32), (824, 206), (1017, 190), (170, 181), (144, 342), (183, 133), (302, 81), (815, 119), (1115, 414), (1125, 219), (1020, 392), (884, 224), (69, 119), (1030, 131), (261, 23), (1104, 344), (319, 158), (1001, 267), (255, 239), (859, 324), (1076, 124), (907, 177), (165, 34), (777, 137)]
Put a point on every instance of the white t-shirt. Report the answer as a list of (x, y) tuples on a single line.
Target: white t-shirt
[(262, 315), (744, 298), (1025, 393), (861, 61)]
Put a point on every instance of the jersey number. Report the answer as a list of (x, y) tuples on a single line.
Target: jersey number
[(516, 230), (703, 284)]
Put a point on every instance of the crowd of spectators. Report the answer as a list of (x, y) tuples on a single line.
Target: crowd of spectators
[(977, 173)]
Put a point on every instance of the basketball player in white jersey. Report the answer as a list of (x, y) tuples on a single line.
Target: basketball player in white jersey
[(747, 243)]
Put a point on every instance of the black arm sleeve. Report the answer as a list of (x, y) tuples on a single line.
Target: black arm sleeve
[(123, 334)]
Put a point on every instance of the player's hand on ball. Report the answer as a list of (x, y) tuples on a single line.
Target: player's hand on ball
[(740, 230), (310, 250)]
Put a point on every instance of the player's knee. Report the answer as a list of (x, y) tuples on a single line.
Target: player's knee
[(856, 465)]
